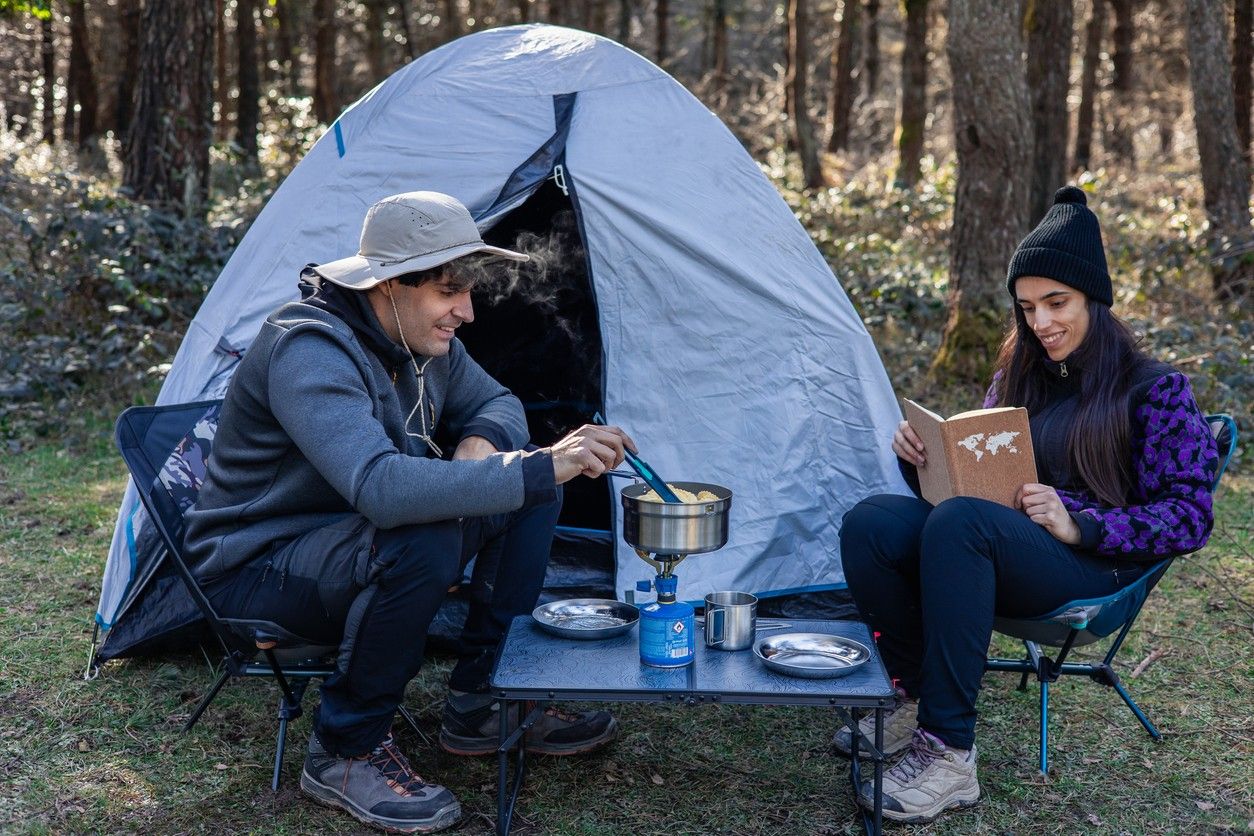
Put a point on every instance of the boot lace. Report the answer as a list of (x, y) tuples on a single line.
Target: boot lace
[(394, 767), (922, 752)]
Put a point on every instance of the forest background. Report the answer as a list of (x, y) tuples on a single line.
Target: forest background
[(916, 141)]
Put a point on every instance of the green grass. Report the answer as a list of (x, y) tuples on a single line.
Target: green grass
[(107, 755)]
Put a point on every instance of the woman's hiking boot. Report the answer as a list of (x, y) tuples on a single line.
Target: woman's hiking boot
[(470, 729), (929, 780), (899, 725), (379, 788)]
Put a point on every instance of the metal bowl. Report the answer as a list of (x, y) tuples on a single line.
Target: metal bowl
[(811, 655), (676, 527), (586, 618)]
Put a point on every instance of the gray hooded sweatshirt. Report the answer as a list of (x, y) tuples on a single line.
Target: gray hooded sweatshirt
[(313, 429)]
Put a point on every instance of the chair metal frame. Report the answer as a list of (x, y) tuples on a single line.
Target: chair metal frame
[(1078, 623), (291, 661)]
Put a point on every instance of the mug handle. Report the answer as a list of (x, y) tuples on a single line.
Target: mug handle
[(717, 621)]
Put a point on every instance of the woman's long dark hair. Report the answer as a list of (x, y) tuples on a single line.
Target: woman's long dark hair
[(1099, 442)]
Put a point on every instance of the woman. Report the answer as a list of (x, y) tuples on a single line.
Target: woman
[(1125, 462)]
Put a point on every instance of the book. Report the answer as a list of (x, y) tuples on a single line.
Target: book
[(985, 453)]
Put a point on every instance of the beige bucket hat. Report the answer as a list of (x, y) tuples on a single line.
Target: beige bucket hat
[(408, 232)]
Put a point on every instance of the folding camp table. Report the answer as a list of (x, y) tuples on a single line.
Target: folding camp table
[(534, 665)]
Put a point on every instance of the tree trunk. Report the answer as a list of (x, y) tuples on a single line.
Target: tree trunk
[(595, 16), (1093, 34), (284, 45), (128, 19), (48, 56), (872, 62), (402, 14), (718, 40), (843, 82), (993, 140), (1242, 59), (1049, 79), (624, 21), (1121, 105), (799, 117), (524, 10), (663, 21), (1225, 179), (913, 95), (376, 15), (222, 83), (167, 151), (326, 108), (248, 114), (452, 20), (82, 80)]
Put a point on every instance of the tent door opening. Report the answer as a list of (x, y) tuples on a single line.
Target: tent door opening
[(541, 339)]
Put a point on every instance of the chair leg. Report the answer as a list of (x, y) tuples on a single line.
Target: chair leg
[(1136, 709), (1044, 727), (413, 724), (289, 709), (1023, 681), (208, 698)]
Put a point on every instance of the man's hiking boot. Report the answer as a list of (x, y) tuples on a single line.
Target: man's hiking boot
[(379, 788), (476, 731), (929, 780), (899, 725)]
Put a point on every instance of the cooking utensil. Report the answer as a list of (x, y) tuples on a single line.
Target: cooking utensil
[(586, 618), (730, 620), (675, 528), (647, 473), (811, 655)]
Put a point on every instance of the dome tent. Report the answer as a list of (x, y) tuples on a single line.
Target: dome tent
[(706, 322)]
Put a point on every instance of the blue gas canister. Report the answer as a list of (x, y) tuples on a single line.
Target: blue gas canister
[(667, 627)]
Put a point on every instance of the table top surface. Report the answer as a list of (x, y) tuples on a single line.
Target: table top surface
[(534, 664)]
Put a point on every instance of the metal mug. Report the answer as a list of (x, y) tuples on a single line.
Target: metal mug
[(730, 620)]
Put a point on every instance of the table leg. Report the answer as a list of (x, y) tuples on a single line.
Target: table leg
[(879, 771), (508, 739), (872, 822)]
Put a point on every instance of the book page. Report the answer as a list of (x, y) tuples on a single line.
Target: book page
[(934, 477)]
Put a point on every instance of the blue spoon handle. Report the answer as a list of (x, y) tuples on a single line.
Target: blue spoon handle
[(646, 473)]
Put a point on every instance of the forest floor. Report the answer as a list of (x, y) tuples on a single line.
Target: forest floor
[(107, 755)]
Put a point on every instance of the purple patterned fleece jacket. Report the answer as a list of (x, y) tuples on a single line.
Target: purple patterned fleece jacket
[(1169, 511)]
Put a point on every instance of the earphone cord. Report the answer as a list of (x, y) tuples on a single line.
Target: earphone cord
[(425, 435)]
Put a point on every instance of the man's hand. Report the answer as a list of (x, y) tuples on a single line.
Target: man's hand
[(1043, 507), (907, 445), (473, 448), (590, 450)]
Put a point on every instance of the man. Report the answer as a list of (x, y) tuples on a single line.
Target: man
[(330, 509)]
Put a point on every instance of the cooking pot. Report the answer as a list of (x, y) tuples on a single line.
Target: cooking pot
[(676, 527)]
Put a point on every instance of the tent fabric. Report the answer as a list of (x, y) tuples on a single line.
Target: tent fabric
[(730, 352)]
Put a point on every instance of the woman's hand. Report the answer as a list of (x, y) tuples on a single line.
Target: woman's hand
[(908, 446), (1043, 507)]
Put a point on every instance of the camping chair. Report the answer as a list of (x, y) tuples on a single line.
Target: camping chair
[(1083, 622), (166, 450)]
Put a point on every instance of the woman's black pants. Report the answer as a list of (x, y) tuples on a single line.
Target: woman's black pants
[(930, 579)]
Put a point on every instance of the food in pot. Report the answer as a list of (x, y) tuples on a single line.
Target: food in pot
[(684, 495)]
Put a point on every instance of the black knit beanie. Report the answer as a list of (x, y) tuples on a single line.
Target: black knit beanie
[(1066, 246)]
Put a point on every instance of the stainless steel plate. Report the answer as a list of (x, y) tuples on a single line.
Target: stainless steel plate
[(811, 655), (586, 618)]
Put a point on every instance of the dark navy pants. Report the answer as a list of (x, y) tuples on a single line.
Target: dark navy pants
[(930, 579), (375, 592)]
